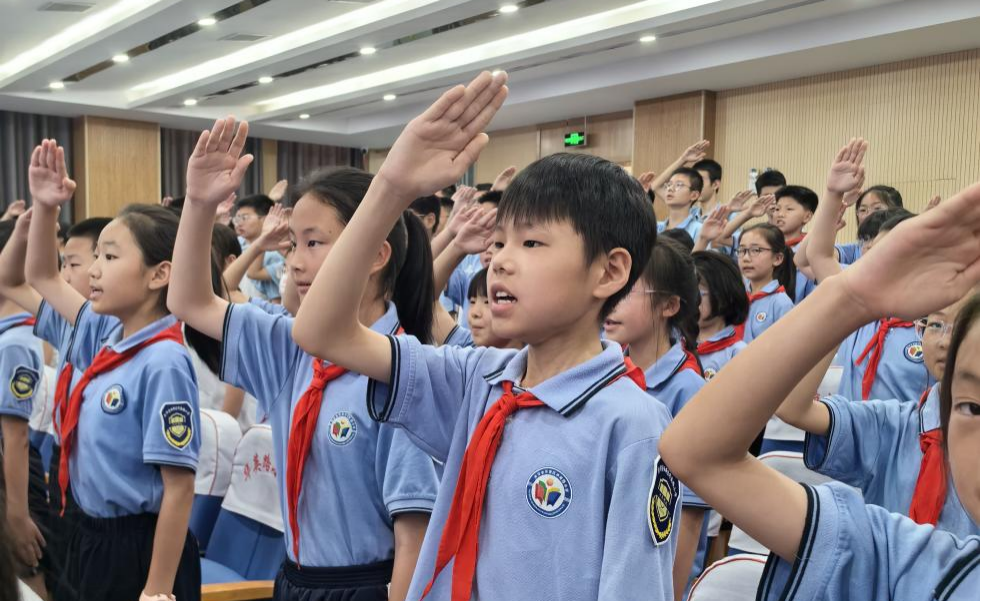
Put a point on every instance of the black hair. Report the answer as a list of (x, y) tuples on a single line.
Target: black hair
[(225, 243), (177, 203), (895, 220), (604, 205), (727, 294), (681, 236), (154, 230), (966, 318), (6, 231), (671, 271), (804, 196), (770, 177), (887, 194), (491, 196), (694, 178), (449, 191), (89, 228), (484, 186), (478, 285), (869, 229), (427, 205), (711, 167), (408, 277), (446, 202), (259, 202), (786, 272)]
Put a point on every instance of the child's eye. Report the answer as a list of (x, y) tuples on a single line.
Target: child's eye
[(109, 257), (968, 408), (497, 245), (313, 243), (531, 244)]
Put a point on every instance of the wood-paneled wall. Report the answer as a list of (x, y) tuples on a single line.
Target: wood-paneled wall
[(920, 117), (116, 162)]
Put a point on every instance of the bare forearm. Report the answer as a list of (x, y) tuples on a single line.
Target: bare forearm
[(232, 403), (41, 265), (441, 241), (801, 409), (237, 270), (658, 184), (734, 225), (190, 296), (821, 246), (170, 533), (410, 529), (257, 270), (444, 265), (15, 463), (12, 260), (688, 535)]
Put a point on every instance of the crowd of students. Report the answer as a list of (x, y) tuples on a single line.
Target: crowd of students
[(530, 389)]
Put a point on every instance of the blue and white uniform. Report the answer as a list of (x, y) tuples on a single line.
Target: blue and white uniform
[(849, 252), (21, 366), (273, 262), (692, 225), (713, 361), (901, 372), (764, 312), (460, 336), (459, 285)]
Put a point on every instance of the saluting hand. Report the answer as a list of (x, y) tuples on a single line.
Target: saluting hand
[(217, 166), (48, 177)]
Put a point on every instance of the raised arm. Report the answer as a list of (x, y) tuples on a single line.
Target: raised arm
[(846, 173), (758, 208), (712, 228), (50, 189), (473, 238), (692, 155), (275, 230), (13, 283), (432, 152), (215, 169)]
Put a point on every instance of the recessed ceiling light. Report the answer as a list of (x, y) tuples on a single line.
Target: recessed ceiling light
[(304, 115), (190, 102), (265, 79), (368, 50), (207, 21), (649, 38), (56, 85), (120, 58), (389, 97), (507, 9)]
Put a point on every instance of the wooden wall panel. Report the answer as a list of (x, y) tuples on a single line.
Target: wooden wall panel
[(517, 147), (920, 117), (116, 162), (269, 166), (375, 159)]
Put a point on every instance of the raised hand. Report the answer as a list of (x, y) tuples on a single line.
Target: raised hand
[(23, 223), (217, 166), (224, 213), (48, 177), (933, 202), (15, 210), (762, 205), (695, 152), (923, 264), (847, 172), (851, 197), (738, 202), (715, 223), (275, 229), (475, 235), (504, 178), (437, 147), (646, 179), (278, 190), (459, 218)]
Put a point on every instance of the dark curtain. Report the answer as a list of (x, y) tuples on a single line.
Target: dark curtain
[(296, 159), (19, 134), (175, 150)]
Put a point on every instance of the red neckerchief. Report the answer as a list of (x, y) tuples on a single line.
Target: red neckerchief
[(707, 347), (930, 491), (874, 351)]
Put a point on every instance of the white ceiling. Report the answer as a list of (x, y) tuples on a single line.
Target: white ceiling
[(566, 57)]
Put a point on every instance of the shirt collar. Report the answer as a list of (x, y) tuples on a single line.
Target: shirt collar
[(664, 367), (117, 343), (769, 288), (728, 331), (11, 321), (930, 410), (389, 322)]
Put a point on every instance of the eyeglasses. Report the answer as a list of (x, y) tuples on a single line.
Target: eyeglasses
[(934, 328), (751, 251), (644, 292), (245, 217), (676, 185)]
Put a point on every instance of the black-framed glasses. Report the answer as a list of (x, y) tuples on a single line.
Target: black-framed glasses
[(751, 251)]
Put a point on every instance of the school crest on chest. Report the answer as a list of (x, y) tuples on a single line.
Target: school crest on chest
[(549, 492)]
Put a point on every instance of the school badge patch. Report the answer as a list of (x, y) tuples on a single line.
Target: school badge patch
[(113, 401), (914, 352), (549, 492), (177, 424), (761, 316), (343, 428), (23, 383), (709, 374), (661, 502)]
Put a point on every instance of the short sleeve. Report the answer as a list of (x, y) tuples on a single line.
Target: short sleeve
[(273, 262), (258, 353), (853, 551), (20, 379), (171, 421), (427, 390), (460, 336), (408, 476), (849, 253), (270, 308), (456, 288), (861, 438), (50, 326)]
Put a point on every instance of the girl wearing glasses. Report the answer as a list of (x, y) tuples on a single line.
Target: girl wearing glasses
[(767, 264)]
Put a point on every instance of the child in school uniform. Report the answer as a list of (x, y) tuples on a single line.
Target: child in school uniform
[(826, 542), (871, 200), (355, 495), (681, 192), (566, 511), (21, 371), (470, 263), (767, 265), (248, 217), (723, 308), (794, 209), (129, 430), (658, 323), (481, 330)]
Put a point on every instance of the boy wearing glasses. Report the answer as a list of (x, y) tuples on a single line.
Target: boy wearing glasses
[(264, 274), (680, 193)]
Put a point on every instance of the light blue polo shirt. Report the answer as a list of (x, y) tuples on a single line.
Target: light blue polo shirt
[(763, 313), (459, 285), (460, 336), (849, 252), (803, 286), (272, 262), (692, 225), (21, 366), (713, 362), (901, 373)]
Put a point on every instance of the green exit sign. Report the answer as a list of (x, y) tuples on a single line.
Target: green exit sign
[(575, 139)]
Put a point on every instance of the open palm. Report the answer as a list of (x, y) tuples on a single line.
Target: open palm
[(847, 172), (715, 223), (437, 147), (48, 177), (216, 166)]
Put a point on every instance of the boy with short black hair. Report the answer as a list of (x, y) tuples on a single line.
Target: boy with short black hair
[(682, 191), (769, 182), (263, 275), (794, 209), (711, 173)]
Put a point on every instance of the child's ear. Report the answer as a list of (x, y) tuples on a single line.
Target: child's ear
[(670, 306), (808, 216), (160, 275), (778, 259), (382, 259), (616, 273)]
